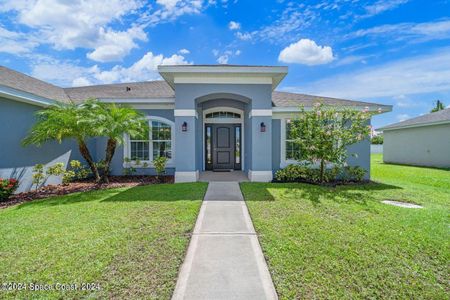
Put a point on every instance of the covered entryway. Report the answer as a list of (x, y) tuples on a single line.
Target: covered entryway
[(223, 147)]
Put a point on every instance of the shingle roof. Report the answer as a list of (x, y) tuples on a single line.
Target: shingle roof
[(428, 119), (285, 99), (132, 90), (22, 82), (142, 90)]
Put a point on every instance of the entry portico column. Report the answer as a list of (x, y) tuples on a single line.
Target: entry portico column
[(261, 130), (185, 139)]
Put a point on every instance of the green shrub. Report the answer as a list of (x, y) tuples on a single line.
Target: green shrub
[(377, 140), (353, 173), (302, 172), (55, 170), (160, 165), (38, 175), (7, 187)]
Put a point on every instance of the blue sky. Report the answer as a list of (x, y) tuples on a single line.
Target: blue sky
[(393, 52)]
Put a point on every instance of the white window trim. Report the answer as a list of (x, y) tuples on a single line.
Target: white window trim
[(224, 121), (127, 146), (285, 162)]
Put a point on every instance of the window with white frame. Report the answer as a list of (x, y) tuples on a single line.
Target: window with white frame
[(291, 147), (156, 143)]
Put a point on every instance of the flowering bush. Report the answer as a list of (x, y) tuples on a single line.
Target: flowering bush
[(7, 187), (323, 134)]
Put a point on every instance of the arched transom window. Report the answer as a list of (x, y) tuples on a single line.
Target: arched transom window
[(223, 115)]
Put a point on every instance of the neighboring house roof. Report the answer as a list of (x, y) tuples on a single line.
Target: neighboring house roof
[(149, 90), (133, 90), (439, 117), (25, 83)]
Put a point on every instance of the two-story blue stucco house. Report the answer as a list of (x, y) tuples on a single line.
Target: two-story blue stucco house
[(215, 117)]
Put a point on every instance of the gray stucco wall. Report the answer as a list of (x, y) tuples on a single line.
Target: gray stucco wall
[(16, 119), (276, 144), (258, 149), (420, 146)]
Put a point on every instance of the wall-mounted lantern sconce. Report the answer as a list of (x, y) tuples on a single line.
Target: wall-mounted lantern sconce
[(263, 127), (184, 126)]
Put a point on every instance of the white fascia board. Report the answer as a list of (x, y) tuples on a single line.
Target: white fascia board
[(373, 108), (260, 113), (275, 73), (25, 97), (139, 100), (229, 79), (185, 113), (415, 125)]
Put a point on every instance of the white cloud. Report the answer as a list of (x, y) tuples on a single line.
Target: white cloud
[(413, 75), (382, 6), (79, 24), (223, 59), (114, 45), (243, 36), (402, 117), (404, 101), (416, 32), (234, 25), (184, 51), (63, 73), (170, 10), (306, 52), (15, 42), (81, 81)]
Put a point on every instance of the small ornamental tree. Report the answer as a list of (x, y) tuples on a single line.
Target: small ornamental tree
[(113, 122), (323, 134)]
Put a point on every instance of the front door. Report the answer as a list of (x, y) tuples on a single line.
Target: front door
[(223, 146)]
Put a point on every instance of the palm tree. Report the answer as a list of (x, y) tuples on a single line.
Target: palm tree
[(439, 106), (114, 121), (64, 121)]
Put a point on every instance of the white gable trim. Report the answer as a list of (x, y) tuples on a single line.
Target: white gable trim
[(25, 97)]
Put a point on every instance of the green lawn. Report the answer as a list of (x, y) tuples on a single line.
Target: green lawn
[(343, 242), (129, 241)]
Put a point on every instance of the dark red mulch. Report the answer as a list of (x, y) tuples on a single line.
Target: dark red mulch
[(83, 186)]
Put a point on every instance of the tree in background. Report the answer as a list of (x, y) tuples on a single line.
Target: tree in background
[(63, 122), (439, 106), (323, 134), (377, 140)]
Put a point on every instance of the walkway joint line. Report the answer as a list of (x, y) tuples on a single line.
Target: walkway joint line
[(224, 259)]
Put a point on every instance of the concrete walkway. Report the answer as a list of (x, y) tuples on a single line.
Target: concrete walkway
[(224, 259)]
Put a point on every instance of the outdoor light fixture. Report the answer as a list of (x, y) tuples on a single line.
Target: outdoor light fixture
[(184, 126), (263, 127)]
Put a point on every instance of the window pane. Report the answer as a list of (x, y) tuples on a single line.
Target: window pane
[(208, 145), (292, 151), (139, 151), (237, 154), (162, 149), (160, 131)]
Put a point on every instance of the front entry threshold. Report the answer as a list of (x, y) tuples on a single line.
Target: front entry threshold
[(186, 176)]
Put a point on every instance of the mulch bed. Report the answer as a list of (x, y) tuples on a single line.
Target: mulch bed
[(82, 186)]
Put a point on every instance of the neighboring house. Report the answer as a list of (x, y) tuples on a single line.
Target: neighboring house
[(213, 117), (421, 141)]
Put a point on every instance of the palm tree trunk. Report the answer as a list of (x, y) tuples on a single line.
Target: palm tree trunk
[(110, 149), (322, 170), (87, 156)]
